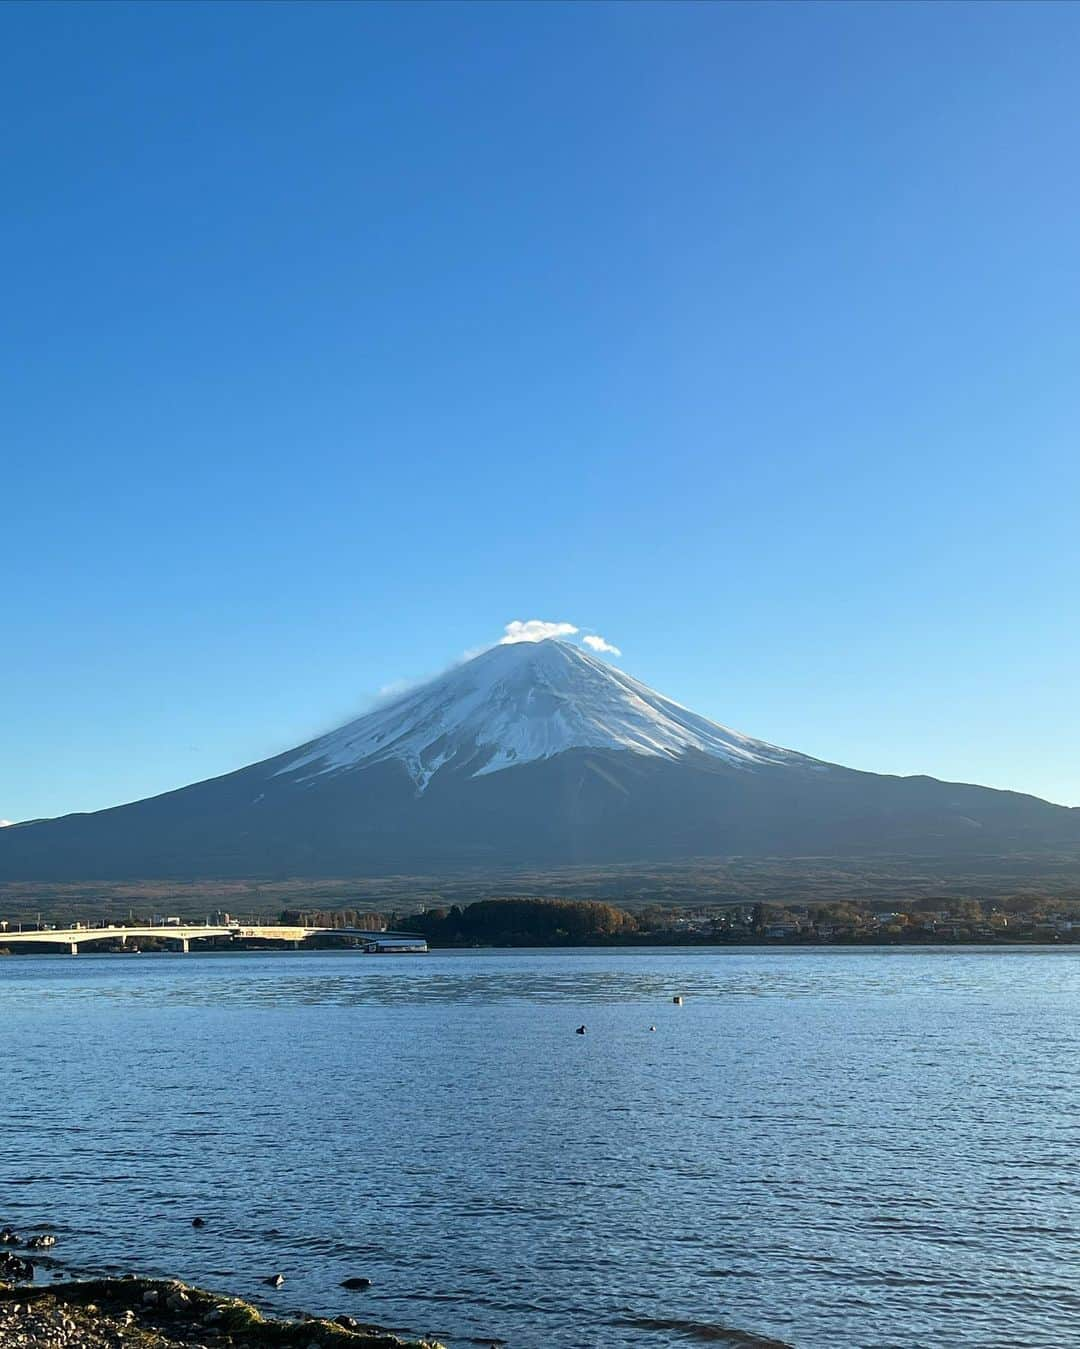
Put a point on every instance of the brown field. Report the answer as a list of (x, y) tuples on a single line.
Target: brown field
[(706, 882)]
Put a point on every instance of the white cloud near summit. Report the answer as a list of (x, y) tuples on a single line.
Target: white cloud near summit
[(596, 643), (539, 629), (535, 630)]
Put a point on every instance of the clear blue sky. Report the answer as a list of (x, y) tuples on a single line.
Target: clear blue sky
[(335, 337)]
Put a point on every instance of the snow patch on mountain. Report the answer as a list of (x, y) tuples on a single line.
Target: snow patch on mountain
[(518, 703)]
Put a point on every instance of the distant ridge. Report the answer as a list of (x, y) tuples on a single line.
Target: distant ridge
[(530, 754)]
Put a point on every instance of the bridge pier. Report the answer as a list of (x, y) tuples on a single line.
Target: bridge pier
[(185, 945), (74, 948)]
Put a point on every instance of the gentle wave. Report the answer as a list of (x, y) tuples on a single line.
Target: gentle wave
[(825, 1148)]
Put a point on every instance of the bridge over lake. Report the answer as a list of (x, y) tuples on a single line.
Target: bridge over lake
[(181, 935)]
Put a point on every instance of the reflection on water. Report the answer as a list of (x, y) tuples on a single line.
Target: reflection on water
[(827, 1148), (345, 979)]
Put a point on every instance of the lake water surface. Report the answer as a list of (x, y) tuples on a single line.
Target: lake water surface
[(832, 1148)]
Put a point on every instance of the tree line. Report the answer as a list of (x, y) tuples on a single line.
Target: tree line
[(524, 922), (365, 920)]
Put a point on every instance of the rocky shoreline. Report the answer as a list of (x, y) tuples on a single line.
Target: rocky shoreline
[(146, 1313), (165, 1314)]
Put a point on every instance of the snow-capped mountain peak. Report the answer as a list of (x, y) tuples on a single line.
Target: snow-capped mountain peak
[(520, 702), (614, 775)]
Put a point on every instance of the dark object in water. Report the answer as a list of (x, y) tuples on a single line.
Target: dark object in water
[(580, 1030), (275, 1280), (198, 1222), (16, 1269), (356, 1285)]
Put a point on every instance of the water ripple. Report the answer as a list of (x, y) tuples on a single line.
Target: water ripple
[(821, 1148)]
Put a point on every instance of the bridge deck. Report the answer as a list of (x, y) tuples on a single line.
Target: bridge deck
[(188, 932)]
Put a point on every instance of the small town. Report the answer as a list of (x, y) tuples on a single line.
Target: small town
[(969, 921)]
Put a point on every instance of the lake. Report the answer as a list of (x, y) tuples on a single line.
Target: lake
[(829, 1147)]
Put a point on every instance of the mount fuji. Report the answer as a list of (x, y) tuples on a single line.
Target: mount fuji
[(530, 754), (515, 704)]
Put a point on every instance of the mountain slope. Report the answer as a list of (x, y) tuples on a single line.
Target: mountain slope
[(518, 703), (530, 754)]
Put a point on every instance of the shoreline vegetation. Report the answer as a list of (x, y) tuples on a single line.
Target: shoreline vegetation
[(146, 1313), (528, 922), (520, 922)]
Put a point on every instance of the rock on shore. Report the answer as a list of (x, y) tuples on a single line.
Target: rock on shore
[(165, 1314)]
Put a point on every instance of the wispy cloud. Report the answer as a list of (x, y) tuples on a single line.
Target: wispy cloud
[(397, 686), (596, 643), (535, 630)]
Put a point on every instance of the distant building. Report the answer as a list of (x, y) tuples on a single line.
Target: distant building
[(782, 930)]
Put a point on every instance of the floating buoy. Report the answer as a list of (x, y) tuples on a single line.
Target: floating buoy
[(677, 999)]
